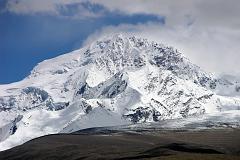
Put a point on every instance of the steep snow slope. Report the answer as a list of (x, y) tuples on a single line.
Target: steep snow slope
[(114, 81)]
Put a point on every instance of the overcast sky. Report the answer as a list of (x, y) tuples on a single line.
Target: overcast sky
[(206, 31)]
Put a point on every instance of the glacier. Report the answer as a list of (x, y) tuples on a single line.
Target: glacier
[(116, 80)]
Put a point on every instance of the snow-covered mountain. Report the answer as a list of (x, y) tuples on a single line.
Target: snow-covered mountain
[(116, 80)]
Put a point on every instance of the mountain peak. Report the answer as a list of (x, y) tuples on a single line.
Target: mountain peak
[(123, 78)]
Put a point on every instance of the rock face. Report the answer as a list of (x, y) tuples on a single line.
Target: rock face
[(116, 80)]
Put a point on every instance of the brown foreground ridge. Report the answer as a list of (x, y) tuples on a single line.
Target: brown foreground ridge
[(219, 144)]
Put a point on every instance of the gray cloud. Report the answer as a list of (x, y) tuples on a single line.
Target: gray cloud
[(205, 13), (219, 13)]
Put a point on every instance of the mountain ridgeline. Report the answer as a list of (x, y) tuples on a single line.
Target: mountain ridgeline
[(116, 80)]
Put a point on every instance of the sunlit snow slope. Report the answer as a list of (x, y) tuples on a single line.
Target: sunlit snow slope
[(116, 80)]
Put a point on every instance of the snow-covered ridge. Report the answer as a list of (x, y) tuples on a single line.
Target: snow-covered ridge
[(115, 80)]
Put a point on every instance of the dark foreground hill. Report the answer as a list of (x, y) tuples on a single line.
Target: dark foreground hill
[(109, 144)]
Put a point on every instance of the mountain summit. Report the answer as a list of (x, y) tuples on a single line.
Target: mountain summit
[(116, 80)]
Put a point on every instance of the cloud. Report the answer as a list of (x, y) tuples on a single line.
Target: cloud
[(204, 12)]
